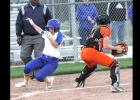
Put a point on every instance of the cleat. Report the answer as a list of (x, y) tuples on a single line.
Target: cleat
[(117, 89), (120, 89), (79, 84), (114, 90), (32, 76), (21, 84)]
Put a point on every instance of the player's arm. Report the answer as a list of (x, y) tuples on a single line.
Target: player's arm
[(105, 32), (37, 28), (106, 44), (54, 43)]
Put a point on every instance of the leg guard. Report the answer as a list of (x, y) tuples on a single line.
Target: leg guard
[(84, 74), (115, 74)]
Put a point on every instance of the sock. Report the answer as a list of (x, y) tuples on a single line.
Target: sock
[(26, 78)]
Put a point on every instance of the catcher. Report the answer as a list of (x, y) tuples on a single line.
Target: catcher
[(95, 51)]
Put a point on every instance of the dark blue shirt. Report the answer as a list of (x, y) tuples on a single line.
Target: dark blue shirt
[(83, 11), (36, 15)]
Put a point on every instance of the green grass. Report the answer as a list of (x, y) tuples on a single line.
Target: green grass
[(71, 68)]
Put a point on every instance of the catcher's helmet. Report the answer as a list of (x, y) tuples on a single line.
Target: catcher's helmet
[(53, 23), (103, 19)]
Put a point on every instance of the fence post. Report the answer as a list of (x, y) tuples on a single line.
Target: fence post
[(73, 30), (53, 9)]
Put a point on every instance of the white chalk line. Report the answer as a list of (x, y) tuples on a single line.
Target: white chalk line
[(61, 90)]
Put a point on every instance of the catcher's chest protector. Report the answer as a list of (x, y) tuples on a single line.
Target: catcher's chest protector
[(95, 40)]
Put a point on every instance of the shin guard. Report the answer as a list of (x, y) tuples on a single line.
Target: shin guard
[(115, 74)]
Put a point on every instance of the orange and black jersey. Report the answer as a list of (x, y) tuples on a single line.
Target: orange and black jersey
[(97, 40)]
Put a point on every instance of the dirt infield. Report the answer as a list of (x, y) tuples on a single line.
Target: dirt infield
[(97, 88)]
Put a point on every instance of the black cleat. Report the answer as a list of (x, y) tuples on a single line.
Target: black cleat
[(79, 83), (32, 76)]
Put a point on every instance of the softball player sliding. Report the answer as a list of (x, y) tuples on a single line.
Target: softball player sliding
[(48, 61), (93, 53)]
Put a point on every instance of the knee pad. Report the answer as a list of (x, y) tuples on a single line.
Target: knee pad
[(114, 72), (39, 78), (114, 63)]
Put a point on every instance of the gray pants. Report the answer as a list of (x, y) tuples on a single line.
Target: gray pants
[(30, 43)]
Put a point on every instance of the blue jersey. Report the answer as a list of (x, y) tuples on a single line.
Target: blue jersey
[(83, 11)]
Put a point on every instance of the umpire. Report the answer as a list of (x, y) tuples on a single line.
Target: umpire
[(31, 40)]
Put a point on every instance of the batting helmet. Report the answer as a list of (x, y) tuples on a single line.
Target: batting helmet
[(53, 23), (103, 20)]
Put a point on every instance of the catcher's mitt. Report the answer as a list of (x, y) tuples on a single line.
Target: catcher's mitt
[(117, 53)]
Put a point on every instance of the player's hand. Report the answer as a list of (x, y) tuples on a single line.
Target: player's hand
[(90, 20), (48, 34), (19, 40), (119, 47), (30, 20)]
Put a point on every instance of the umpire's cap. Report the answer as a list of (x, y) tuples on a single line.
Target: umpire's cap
[(103, 19), (53, 23)]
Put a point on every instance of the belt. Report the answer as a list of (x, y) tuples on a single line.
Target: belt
[(89, 47), (50, 57)]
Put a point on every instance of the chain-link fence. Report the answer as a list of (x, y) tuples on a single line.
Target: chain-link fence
[(71, 27)]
